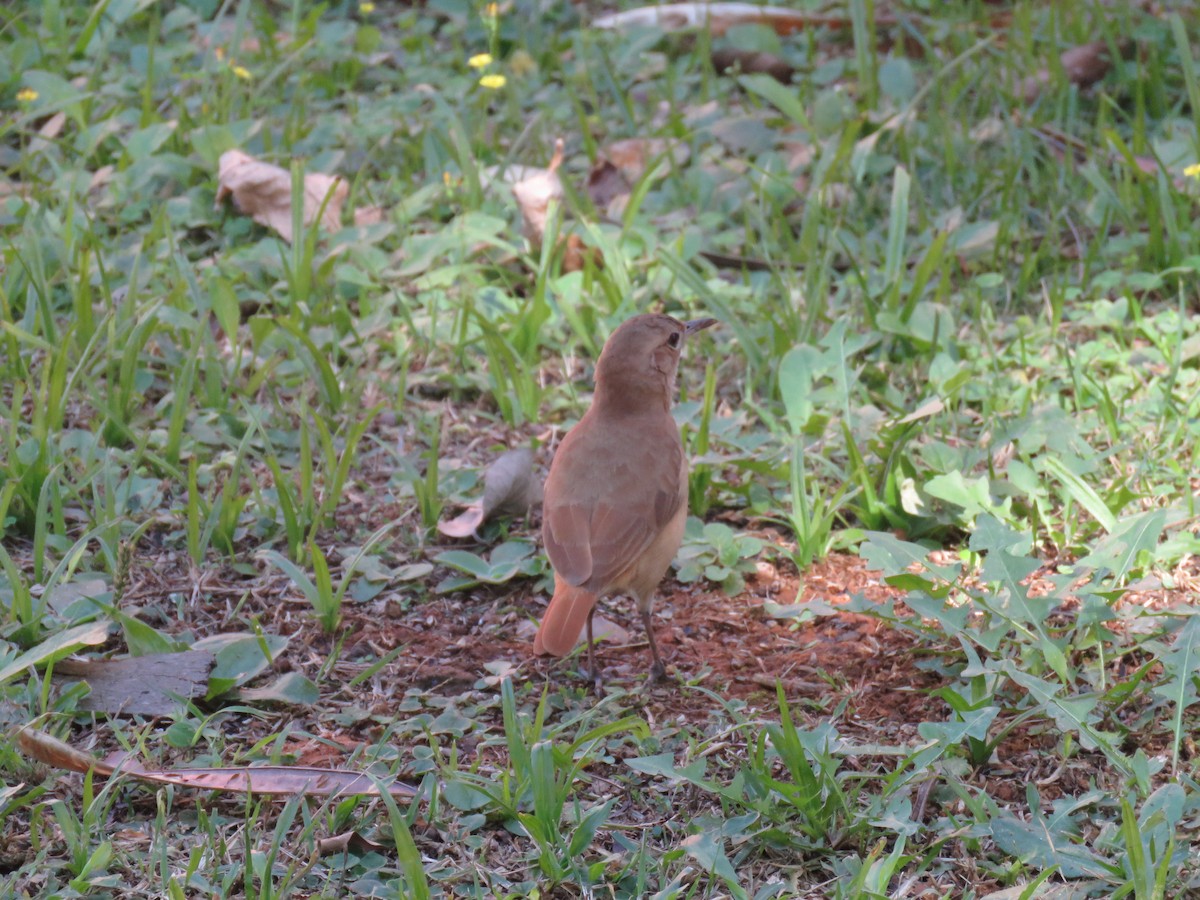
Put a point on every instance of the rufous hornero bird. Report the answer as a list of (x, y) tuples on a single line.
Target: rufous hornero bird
[(616, 496)]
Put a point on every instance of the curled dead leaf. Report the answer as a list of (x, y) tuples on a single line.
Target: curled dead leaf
[(621, 164), (349, 840), (271, 780), (464, 524), (535, 193), (509, 488), (264, 192), (749, 61), (1084, 66)]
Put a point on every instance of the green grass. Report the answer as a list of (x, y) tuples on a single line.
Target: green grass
[(969, 328)]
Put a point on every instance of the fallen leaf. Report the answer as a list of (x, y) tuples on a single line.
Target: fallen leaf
[(350, 840), (924, 411), (535, 193), (634, 156), (368, 215), (1084, 66), (271, 780), (101, 177), (576, 254), (264, 192), (621, 164), (53, 126), (605, 184), (750, 61), (605, 629), (720, 17), (464, 524), (509, 488), (152, 685)]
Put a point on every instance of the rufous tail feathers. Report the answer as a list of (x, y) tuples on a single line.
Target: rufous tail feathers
[(564, 619)]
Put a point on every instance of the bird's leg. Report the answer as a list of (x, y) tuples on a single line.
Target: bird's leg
[(593, 670), (657, 670)]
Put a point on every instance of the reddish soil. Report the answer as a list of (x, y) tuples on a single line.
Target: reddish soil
[(726, 645)]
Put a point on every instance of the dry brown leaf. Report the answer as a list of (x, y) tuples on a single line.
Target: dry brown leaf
[(720, 17), (1084, 66), (634, 155), (750, 61), (576, 254), (465, 524), (53, 126), (605, 184), (272, 780), (349, 840), (509, 488), (264, 192), (101, 177), (605, 629), (13, 189), (621, 164), (535, 193), (368, 215)]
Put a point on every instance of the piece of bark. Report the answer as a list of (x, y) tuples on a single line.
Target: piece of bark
[(141, 685)]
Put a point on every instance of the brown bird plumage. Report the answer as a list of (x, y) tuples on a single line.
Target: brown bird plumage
[(616, 497)]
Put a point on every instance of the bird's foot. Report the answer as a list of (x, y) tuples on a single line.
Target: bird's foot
[(594, 677), (657, 673)]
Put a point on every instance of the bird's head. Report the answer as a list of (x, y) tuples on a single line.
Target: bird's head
[(638, 364)]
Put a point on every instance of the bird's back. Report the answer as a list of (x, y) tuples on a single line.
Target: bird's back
[(614, 487)]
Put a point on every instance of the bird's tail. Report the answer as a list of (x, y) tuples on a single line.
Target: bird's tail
[(560, 628)]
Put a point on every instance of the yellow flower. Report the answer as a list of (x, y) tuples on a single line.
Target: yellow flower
[(366, 8), (1192, 171), (447, 179), (491, 10), (493, 82), (241, 72), (219, 53), (480, 60), (26, 95)]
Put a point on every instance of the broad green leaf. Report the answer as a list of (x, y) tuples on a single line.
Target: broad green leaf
[(1118, 551), (944, 736), (1081, 492), (1178, 685), (1033, 844), (1070, 714), (784, 98), (239, 658), (893, 556)]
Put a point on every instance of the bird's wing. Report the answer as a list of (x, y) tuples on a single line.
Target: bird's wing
[(607, 499)]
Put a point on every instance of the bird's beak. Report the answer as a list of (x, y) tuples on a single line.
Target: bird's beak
[(698, 325)]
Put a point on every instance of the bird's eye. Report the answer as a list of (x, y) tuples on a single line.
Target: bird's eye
[(673, 340)]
